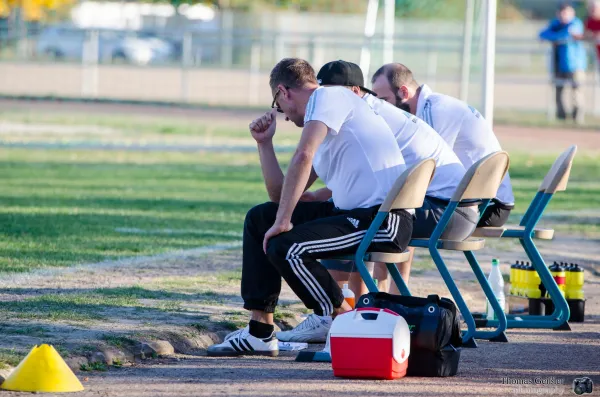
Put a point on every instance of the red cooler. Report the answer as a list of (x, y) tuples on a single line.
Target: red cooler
[(370, 344)]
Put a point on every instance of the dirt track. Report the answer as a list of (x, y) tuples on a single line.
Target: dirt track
[(530, 356)]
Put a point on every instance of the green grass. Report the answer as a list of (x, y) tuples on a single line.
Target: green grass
[(127, 124), (15, 329), (234, 276), (231, 325), (118, 341), (60, 207), (10, 357), (98, 304), (199, 327), (134, 293), (281, 315), (65, 207), (95, 366), (540, 119), (196, 284), (75, 307), (582, 194), (138, 126)]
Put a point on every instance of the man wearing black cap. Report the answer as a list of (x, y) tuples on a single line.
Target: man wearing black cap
[(353, 151), (417, 141)]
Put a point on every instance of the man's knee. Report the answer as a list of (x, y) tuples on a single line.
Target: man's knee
[(262, 214), (279, 250)]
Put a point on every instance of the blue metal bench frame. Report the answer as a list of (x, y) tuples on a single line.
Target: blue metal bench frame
[(555, 180)]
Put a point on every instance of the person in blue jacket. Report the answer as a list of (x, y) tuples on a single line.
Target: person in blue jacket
[(569, 60)]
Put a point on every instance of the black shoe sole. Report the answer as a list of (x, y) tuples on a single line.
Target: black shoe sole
[(237, 354)]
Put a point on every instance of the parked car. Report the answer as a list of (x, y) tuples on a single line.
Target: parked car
[(68, 42)]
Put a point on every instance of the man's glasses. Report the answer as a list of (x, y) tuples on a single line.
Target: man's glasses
[(275, 104)]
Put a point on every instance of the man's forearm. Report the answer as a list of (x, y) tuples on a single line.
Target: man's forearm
[(271, 170), (294, 185)]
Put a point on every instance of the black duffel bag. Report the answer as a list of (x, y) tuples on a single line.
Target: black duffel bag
[(435, 337)]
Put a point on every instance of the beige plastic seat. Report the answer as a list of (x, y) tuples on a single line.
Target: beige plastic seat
[(555, 181), (407, 193), (480, 182), (497, 232), (387, 257), (470, 244)]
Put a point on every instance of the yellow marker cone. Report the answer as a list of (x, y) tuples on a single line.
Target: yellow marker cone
[(43, 370)]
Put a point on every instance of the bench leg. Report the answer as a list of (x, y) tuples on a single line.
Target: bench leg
[(558, 320), (402, 287), (469, 334), (498, 334)]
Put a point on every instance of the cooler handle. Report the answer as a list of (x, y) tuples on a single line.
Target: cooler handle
[(361, 310)]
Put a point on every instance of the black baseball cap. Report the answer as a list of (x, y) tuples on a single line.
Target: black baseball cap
[(342, 73)]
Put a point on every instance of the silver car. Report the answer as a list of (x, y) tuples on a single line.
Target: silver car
[(69, 43)]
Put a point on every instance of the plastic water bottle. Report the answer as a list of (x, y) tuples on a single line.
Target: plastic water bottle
[(348, 295), (497, 283)]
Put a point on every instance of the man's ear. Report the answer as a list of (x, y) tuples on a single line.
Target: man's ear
[(284, 92), (403, 92), (355, 90)]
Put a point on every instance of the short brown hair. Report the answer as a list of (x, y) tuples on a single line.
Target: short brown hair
[(397, 74), (293, 73)]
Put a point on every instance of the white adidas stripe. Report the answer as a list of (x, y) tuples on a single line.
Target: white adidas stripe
[(317, 291), (307, 283), (390, 233), (306, 277)]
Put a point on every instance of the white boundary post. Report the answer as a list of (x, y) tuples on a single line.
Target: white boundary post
[(389, 22), (489, 61), (465, 72), (186, 60), (89, 62), (370, 22), (254, 81)]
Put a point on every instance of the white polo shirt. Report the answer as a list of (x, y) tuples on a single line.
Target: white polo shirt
[(464, 129), (359, 160), (418, 141)]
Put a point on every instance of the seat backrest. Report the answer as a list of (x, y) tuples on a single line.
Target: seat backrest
[(483, 178), (556, 179), (410, 187)]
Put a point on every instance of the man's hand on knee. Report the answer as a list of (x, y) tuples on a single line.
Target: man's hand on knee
[(276, 230)]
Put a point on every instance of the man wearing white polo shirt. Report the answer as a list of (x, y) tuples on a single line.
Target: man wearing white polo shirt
[(461, 126), (354, 152), (417, 142)]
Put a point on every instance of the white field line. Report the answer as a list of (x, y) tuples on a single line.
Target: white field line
[(10, 280), (141, 146), (134, 230), (10, 128)]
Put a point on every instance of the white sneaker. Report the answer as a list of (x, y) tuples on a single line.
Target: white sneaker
[(313, 329), (235, 333), (244, 344)]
